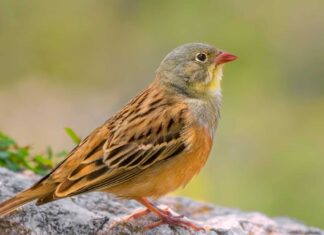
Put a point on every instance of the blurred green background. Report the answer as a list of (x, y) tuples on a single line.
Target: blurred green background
[(74, 63)]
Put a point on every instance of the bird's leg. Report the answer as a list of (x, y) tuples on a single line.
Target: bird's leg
[(138, 214), (146, 211), (166, 216)]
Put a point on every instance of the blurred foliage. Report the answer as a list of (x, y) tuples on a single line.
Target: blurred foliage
[(74, 137), (75, 63), (19, 158)]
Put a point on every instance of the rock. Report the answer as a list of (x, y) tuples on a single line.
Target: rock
[(100, 213)]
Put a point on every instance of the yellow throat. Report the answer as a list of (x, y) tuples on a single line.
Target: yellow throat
[(213, 84), (215, 74)]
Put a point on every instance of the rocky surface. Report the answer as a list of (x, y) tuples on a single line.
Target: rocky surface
[(99, 213)]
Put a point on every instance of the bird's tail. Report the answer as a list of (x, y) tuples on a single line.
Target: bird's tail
[(17, 201)]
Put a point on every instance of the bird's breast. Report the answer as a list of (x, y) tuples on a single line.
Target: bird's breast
[(206, 113)]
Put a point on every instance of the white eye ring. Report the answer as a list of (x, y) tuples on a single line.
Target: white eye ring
[(201, 57)]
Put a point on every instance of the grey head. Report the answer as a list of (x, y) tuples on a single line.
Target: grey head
[(188, 64), (194, 70)]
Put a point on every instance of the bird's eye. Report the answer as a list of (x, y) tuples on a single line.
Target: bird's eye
[(201, 57)]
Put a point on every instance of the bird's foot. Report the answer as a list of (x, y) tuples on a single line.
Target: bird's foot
[(172, 218), (162, 208), (167, 216)]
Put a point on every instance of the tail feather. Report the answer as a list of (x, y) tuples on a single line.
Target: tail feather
[(18, 200)]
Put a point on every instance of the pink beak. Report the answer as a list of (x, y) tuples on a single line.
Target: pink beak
[(224, 57)]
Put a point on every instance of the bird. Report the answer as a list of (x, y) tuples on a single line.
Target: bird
[(155, 144)]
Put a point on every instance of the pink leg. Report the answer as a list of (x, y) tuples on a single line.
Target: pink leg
[(166, 216)]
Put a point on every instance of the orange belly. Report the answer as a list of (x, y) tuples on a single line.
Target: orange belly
[(165, 177)]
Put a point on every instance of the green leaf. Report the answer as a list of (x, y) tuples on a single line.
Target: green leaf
[(4, 155), (63, 153), (18, 158), (12, 165), (41, 160), (49, 152), (75, 138), (5, 141)]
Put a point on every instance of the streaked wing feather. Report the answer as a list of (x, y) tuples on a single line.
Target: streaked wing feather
[(138, 140)]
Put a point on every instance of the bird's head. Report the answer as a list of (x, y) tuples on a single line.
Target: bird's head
[(194, 69)]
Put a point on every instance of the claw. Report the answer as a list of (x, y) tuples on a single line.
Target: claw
[(181, 221), (167, 216)]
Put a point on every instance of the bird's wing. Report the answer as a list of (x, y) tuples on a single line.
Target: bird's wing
[(148, 132)]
